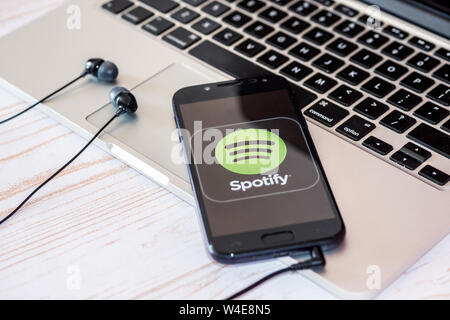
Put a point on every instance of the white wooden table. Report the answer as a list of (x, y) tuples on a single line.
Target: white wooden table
[(101, 230)]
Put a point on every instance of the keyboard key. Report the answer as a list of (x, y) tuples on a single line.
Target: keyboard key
[(320, 83), (416, 152), (194, 3), (349, 12), (181, 38), (185, 15), (345, 95), (303, 8), (296, 71), (446, 126), (163, 6), (377, 145), (326, 3), (206, 26), (443, 73), (215, 8), (398, 121), (158, 26), (366, 58), (404, 160), (391, 70), (318, 36), (404, 99), (117, 6), (237, 19), (397, 50), (355, 128), (326, 113), (272, 14), (259, 29), (396, 32), (227, 36), (304, 51), (348, 28), (328, 63), (281, 2), (251, 5), (421, 44), (272, 59), (250, 48), (352, 74), (440, 94), (371, 108), (437, 176), (325, 18), (431, 138), (443, 53), (370, 21), (137, 15), (295, 25), (281, 40), (342, 47), (417, 82), (432, 113), (373, 39), (423, 62), (378, 87)]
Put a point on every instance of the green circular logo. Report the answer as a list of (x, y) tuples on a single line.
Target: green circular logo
[(250, 151)]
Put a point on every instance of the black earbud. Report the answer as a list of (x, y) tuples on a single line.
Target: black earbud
[(103, 70), (123, 100)]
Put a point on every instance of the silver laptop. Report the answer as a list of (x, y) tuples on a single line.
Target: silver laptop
[(391, 69)]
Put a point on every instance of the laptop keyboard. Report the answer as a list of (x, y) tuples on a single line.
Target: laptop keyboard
[(353, 78)]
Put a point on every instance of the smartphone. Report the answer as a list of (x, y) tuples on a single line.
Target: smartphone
[(256, 176)]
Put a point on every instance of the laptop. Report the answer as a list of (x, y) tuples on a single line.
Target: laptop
[(350, 63)]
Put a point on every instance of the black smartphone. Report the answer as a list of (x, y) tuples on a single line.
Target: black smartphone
[(256, 176)]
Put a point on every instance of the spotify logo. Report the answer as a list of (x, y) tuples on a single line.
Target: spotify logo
[(250, 151)]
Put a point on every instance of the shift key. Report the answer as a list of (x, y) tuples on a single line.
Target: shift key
[(181, 38), (432, 138), (326, 113)]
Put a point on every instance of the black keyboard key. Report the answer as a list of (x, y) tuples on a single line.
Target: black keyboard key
[(215, 8), (437, 176), (431, 138), (281, 2), (443, 73), (352, 74), (303, 8), (272, 14), (404, 160), (237, 19), (355, 128), (181, 38), (206, 26), (251, 5), (431, 113), (325, 18), (227, 36), (443, 53), (259, 29), (349, 12), (345, 95), (163, 6), (296, 71), (377, 145), (397, 121), (446, 126), (304, 51), (417, 82), (396, 32), (421, 44), (348, 28), (326, 3), (404, 99), (117, 6), (185, 15), (378, 87), (370, 21), (326, 113), (137, 15), (158, 26), (391, 70), (318, 36), (373, 39), (366, 58), (194, 3), (397, 50), (328, 63), (416, 152), (250, 48), (320, 83), (281, 40), (423, 62), (295, 25), (272, 59), (342, 47), (440, 94), (371, 108)]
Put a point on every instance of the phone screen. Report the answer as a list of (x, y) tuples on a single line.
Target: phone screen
[(253, 164)]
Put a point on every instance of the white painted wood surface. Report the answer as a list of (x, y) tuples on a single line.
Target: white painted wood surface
[(100, 230)]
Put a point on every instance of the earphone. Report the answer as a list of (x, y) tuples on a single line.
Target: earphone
[(104, 71), (124, 101)]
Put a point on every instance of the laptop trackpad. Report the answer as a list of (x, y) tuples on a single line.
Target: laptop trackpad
[(150, 131)]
